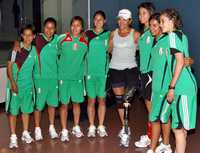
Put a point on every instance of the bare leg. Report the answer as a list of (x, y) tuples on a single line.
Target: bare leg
[(63, 115), (51, 113), (77, 113), (13, 120), (25, 120), (155, 135), (91, 110), (101, 110), (180, 135)]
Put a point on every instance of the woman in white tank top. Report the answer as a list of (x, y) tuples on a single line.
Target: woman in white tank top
[(123, 66)]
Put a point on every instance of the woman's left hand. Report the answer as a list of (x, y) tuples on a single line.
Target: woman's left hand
[(170, 96)]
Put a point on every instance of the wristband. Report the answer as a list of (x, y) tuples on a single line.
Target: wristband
[(171, 87)]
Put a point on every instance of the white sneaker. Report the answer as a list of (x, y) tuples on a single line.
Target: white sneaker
[(91, 131), (26, 137), (162, 148), (122, 131), (77, 131), (101, 130), (13, 141), (125, 139), (52, 132), (150, 151), (143, 142), (64, 135), (38, 134)]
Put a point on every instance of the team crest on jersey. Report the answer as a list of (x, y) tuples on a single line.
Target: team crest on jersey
[(148, 40), (75, 46), (160, 51)]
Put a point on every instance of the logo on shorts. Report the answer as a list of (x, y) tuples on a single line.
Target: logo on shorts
[(75, 46), (148, 40), (161, 51), (106, 42), (61, 82), (39, 90), (88, 77)]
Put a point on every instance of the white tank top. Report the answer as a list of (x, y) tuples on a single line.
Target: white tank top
[(124, 52)]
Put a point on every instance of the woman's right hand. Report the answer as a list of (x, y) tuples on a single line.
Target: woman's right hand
[(16, 46), (14, 87)]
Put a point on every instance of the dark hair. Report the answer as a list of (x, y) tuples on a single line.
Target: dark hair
[(77, 18), (50, 19), (148, 6), (155, 16), (27, 27), (100, 12), (174, 15)]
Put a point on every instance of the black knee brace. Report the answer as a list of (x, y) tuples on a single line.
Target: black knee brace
[(120, 101)]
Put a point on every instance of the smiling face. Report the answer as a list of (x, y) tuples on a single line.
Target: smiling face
[(166, 24), (99, 21), (76, 27), (155, 27), (49, 29), (123, 23), (27, 36), (144, 16)]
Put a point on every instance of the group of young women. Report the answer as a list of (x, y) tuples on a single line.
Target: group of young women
[(48, 69)]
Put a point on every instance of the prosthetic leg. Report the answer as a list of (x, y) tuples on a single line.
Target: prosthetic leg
[(130, 92)]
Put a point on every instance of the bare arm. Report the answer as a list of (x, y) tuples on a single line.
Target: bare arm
[(136, 37), (111, 42), (16, 46), (10, 77), (179, 66)]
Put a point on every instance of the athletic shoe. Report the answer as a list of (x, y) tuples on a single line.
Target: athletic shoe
[(64, 135), (125, 139), (13, 141), (26, 137), (143, 142), (162, 148), (150, 151), (122, 131), (38, 134), (52, 132), (77, 131), (91, 131), (101, 130)]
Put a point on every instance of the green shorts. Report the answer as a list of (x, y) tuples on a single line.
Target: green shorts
[(95, 86), (46, 93), (158, 100), (73, 89), (182, 111), (23, 102)]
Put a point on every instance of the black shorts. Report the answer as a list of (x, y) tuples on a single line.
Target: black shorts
[(146, 84), (127, 78)]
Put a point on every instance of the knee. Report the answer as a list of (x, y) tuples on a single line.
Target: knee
[(119, 100)]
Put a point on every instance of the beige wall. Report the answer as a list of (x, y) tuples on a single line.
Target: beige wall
[(63, 11)]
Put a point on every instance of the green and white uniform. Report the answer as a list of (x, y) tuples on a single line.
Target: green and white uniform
[(22, 70), (184, 107), (97, 63), (145, 45), (160, 77), (71, 68), (46, 72)]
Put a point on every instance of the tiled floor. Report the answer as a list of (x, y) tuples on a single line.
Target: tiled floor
[(110, 144)]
